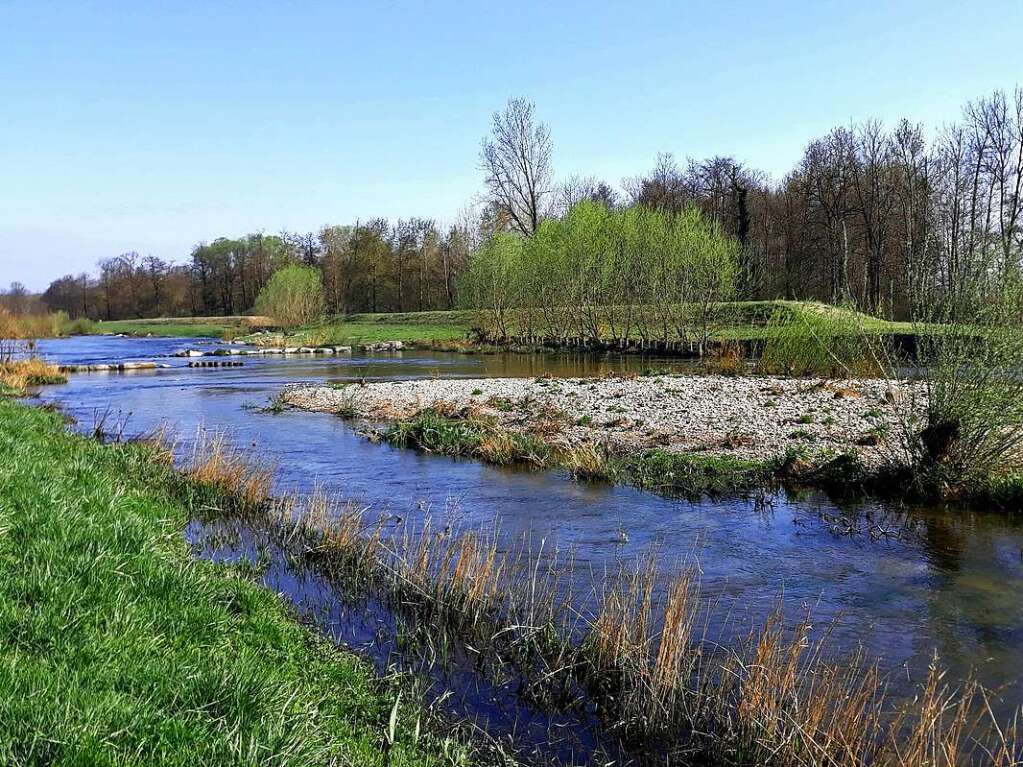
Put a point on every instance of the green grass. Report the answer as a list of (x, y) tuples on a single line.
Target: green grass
[(354, 332), (198, 327), (758, 320), (691, 474), (116, 647), (423, 328), (473, 437), (680, 474), (733, 321)]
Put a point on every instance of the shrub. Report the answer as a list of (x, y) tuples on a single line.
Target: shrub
[(602, 276), (293, 296), (81, 326), (819, 342), (963, 429)]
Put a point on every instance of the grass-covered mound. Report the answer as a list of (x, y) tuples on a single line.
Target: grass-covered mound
[(116, 647)]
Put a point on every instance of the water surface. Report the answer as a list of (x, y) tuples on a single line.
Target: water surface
[(945, 581)]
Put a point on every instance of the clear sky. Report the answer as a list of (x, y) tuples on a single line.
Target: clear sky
[(150, 126)]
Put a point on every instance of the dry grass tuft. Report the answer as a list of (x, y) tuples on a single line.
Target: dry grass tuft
[(17, 375), (26, 327), (216, 464), (726, 359), (586, 461), (162, 444)]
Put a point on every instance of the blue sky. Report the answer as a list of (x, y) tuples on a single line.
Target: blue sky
[(150, 126)]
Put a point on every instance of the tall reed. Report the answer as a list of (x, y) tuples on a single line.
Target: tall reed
[(640, 656), (216, 464)]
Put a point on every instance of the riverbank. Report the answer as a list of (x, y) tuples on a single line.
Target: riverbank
[(657, 684), (179, 327), (117, 647), (711, 432), (442, 329)]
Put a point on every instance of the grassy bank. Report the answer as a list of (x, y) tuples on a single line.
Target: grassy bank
[(116, 647), (426, 329), (746, 322), (639, 659), (180, 327)]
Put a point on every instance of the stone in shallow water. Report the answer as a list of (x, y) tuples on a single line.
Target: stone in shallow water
[(384, 346)]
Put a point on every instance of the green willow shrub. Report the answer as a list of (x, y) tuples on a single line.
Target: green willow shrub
[(293, 296), (966, 425), (818, 341), (605, 275), (491, 283)]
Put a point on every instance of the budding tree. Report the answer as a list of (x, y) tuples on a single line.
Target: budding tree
[(516, 161)]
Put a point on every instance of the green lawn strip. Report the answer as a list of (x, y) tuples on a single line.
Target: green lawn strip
[(117, 647), (209, 329), (357, 332), (732, 321)]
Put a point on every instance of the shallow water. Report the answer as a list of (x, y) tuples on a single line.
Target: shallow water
[(486, 703), (945, 581)]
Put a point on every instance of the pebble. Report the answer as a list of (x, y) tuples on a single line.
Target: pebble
[(749, 416)]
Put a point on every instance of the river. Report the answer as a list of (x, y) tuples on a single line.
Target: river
[(937, 580)]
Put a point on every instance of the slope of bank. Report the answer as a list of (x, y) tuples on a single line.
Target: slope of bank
[(116, 647)]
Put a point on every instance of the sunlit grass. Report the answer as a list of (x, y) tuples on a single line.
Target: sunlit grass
[(117, 648), (18, 374)]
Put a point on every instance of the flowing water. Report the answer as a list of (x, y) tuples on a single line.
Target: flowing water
[(905, 582)]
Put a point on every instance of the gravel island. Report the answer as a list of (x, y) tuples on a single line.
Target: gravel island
[(746, 417)]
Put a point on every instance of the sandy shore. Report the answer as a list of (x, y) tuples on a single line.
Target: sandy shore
[(749, 417)]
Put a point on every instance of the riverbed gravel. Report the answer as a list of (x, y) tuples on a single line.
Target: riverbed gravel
[(748, 417)]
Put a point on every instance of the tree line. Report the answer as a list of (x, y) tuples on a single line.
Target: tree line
[(375, 266), (874, 216)]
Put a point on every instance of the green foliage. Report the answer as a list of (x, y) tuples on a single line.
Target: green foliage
[(82, 326), (691, 474), (471, 436), (435, 433), (603, 275), (492, 282), (966, 428), (117, 648), (293, 296), (819, 342)]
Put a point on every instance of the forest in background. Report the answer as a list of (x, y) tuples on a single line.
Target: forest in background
[(872, 216)]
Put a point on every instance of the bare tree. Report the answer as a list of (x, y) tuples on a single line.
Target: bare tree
[(17, 300), (873, 190), (663, 188), (576, 189), (516, 161)]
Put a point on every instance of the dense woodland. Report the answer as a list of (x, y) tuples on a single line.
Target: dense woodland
[(872, 215)]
